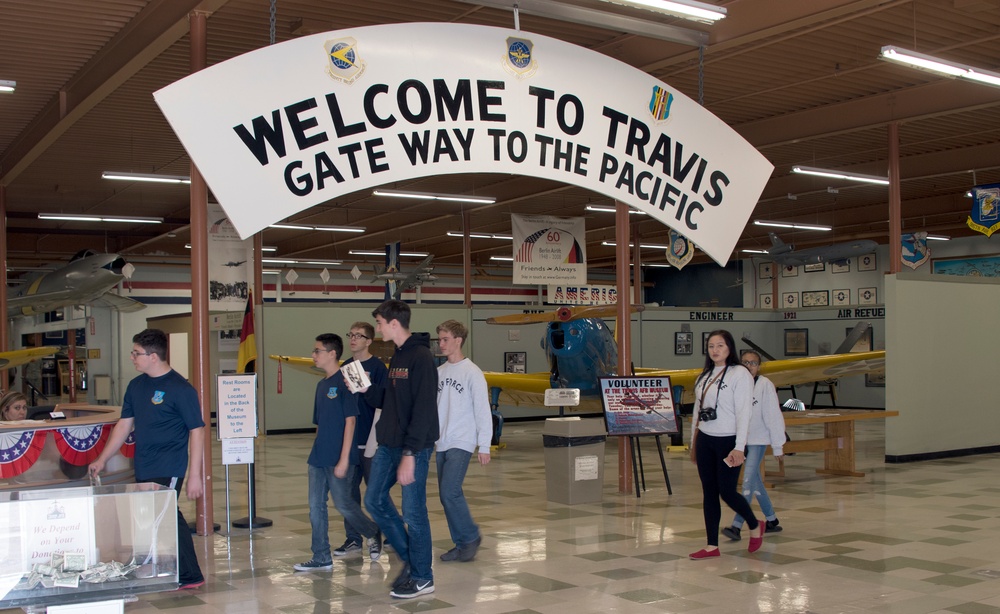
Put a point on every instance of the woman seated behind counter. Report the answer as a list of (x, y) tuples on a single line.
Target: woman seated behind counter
[(13, 406)]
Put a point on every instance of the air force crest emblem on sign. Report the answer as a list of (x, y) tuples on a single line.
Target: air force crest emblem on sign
[(519, 60), (985, 217), (343, 62), (680, 251), (659, 104)]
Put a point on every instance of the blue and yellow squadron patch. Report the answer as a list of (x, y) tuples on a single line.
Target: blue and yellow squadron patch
[(343, 61), (158, 397), (985, 217), (519, 59), (659, 104), (680, 251), (331, 393)]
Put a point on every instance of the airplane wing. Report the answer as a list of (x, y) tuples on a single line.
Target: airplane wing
[(38, 303), (528, 389), (299, 363), (118, 302), (16, 358)]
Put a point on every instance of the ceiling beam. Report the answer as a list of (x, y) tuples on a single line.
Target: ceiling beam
[(153, 30)]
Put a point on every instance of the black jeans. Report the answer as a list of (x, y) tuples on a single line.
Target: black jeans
[(719, 480), (188, 571)]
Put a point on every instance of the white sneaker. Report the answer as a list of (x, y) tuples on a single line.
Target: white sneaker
[(375, 547)]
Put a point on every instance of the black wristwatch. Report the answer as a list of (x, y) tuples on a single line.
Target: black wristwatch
[(407, 452)]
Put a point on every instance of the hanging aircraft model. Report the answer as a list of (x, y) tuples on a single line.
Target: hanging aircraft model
[(787, 255), (581, 348), (86, 280), (398, 282)]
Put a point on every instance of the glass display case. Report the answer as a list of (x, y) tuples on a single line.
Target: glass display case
[(78, 545)]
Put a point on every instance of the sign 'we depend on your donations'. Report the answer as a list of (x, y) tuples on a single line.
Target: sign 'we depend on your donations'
[(293, 125)]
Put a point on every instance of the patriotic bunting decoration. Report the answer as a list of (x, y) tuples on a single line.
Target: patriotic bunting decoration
[(81, 445), (19, 451), (128, 448)]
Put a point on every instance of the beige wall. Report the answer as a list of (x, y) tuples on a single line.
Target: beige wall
[(941, 367)]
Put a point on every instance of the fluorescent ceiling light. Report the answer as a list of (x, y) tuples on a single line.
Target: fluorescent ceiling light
[(7, 87), (938, 238), (126, 219), (374, 252), (266, 248), (502, 258), (322, 262), (458, 198), (688, 9), (820, 172), (642, 245), (754, 251), (325, 228), (479, 235), (613, 210), (793, 225), (656, 265), (278, 261), (930, 63), (608, 20), (150, 177)]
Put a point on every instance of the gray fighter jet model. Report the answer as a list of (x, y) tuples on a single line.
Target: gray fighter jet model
[(399, 282), (86, 280), (787, 255)]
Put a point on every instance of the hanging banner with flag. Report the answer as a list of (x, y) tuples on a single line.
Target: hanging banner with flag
[(681, 251), (915, 250), (549, 250), (128, 448), (985, 217), (247, 355), (81, 445), (19, 451)]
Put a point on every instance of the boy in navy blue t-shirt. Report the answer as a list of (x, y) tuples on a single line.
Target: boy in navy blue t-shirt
[(334, 457)]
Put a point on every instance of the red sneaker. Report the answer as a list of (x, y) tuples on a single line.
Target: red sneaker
[(704, 554), (191, 585)]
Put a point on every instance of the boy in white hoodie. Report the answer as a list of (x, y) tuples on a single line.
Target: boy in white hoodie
[(464, 419), (767, 427)]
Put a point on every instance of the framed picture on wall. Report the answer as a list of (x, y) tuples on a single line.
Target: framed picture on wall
[(864, 343), (875, 380), (683, 343), (515, 362), (842, 297), (765, 301), (841, 267), (766, 270), (704, 343), (816, 298), (814, 268), (866, 262), (790, 271), (796, 342), (867, 296), (789, 300)]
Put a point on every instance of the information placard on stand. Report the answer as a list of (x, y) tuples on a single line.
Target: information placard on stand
[(237, 405)]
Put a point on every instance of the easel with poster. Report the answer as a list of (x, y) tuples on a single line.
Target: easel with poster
[(637, 407)]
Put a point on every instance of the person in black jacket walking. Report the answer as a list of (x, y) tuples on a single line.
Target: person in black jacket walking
[(406, 433)]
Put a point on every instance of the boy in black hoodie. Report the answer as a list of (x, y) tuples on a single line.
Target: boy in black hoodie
[(406, 433)]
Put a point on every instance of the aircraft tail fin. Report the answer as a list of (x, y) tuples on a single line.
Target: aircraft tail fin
[(778, 246)]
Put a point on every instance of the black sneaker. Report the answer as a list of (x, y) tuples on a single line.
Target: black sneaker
[(412, 589), (732, 533), (772, 526), (402, 578), (468, 552), (375, 547), (348, 547), (313, 565)]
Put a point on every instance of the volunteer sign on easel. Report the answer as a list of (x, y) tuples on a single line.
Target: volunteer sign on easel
[(236, 416)]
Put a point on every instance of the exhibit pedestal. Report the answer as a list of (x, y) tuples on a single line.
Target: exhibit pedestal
[(574, 459)]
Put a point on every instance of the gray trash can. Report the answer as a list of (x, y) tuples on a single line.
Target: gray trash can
[(574, 459)]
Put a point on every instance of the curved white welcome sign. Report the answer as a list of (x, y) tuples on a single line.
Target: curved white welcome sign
[(286, 127)]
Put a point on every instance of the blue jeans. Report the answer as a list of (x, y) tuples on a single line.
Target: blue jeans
[(451, 467), (753, 484), (322, 482), (353, 535), (409, 534)]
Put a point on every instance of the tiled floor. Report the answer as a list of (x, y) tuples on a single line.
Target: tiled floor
[(912, 538)]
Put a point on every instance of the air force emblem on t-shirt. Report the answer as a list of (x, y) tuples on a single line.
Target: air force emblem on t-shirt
[(158, 397), (331, 393)]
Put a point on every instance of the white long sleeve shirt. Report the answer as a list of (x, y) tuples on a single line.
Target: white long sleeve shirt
[(463, 408), (732, 397), (767, 426)]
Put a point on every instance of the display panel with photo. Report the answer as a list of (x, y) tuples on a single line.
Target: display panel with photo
[(766, 301), (864, 343), (790, 271), (842, 297), (704, 342), (684, 343), (841, 267), (866, 262), (766, 270), (816, 298), (796, 342), (814, 268), (789, 300), (867, 296), (515, 362)]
